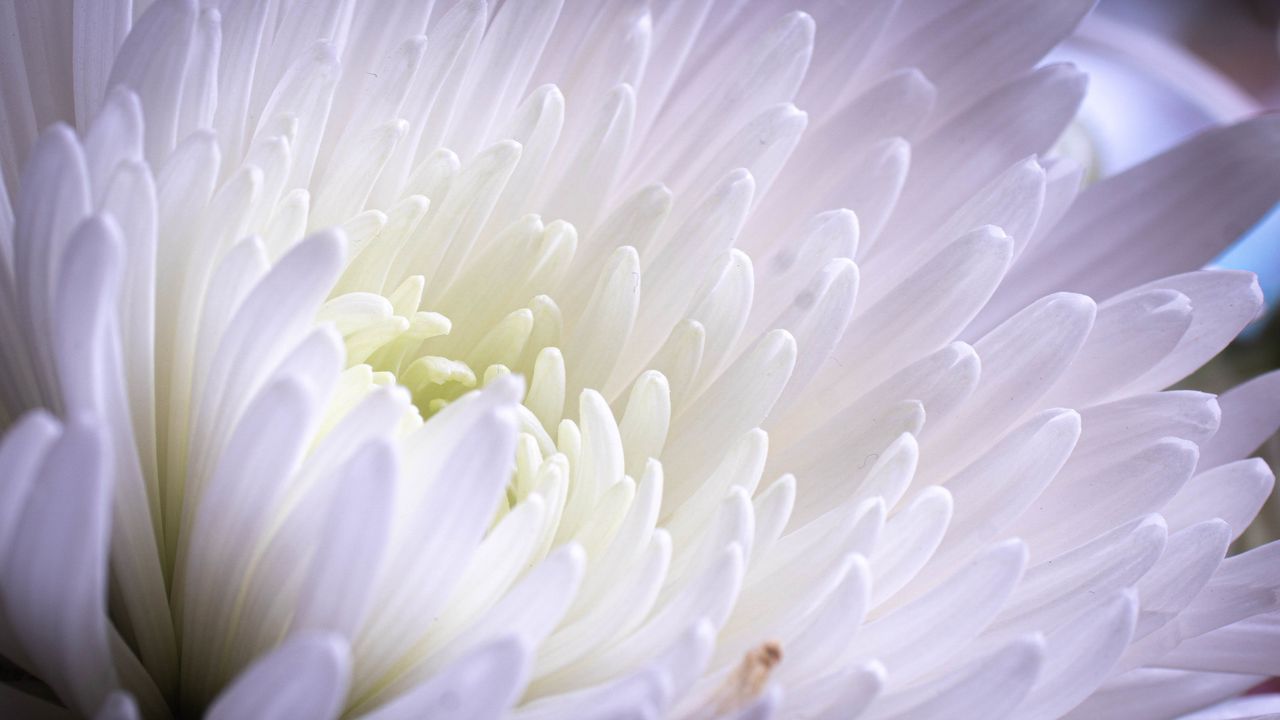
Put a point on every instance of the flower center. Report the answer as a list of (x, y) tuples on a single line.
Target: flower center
[(385, 337), (390, 341)]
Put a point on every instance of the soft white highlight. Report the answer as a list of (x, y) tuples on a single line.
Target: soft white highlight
[(655, 359)]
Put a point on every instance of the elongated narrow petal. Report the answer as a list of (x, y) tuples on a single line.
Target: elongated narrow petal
[(543, 359)]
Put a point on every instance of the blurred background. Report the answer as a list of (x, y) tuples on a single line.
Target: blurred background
[(1161, 71)]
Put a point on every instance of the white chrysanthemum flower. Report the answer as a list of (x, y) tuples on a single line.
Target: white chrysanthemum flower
[(276, 291)]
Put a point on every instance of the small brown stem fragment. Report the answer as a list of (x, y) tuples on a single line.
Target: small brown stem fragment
[(750, 678)]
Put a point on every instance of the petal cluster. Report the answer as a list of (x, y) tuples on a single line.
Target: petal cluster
[(569, 359)]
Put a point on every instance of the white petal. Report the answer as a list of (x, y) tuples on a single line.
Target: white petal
[(500, 71), (441, 247), (676, 268), (678, 360), (762, 708), (344, 569), (1223, 303), (920, 314), (842, 695), (590, 175), (786, 267), (988, 687), (766, 72), (22, 450), (118, 706), (1031, 110), (1020, 360), (910, 538), (646, 420), (1124, 426), (722, 310), (151, 62), (596, 340), (600, 462), (1233, 492), (455, 37), (818, 317), (613, 613), (538, 126), (943, 46), (502, 557), (993, 491), (1250, 414), (632, 539), (1246, 646), (265, 326), (740, 399), (480, 685), (642, 694), (1011, 202), (740, 466), (1154, 693), (1079, 656), (243, 22), (1257, 707), (837, 455), (833, 626), (1130, 335), (896, 106), (60, 617), (1174, 213), (441, 521), (1061, 587), (945, 620), (200, 77), (529, 611), (1189, 560), (53, 198), (761, 146), (307, 676), (355, 166), (634, 222), (1072, 510), (708, 596), (229, 513), (115, 134)]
